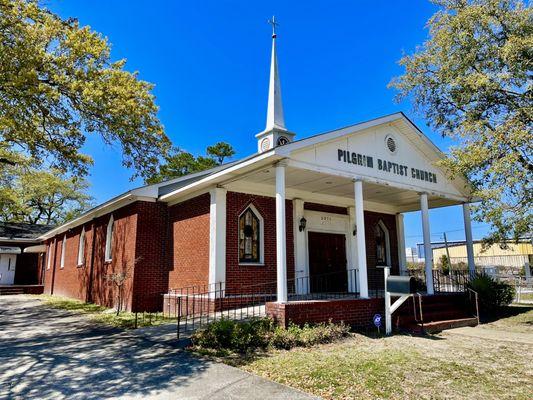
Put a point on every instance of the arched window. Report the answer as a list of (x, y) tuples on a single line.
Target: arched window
[(81, 247), (250, 236), (49, 262), (63, 249), (382, 244), (109, 240)]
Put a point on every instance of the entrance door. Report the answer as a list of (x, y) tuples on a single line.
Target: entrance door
[(7, 269), (327, 262)]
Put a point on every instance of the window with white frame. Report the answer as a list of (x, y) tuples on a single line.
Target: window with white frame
[(63, 248), (382, 244), (81, 247), (109, 240), (250, 236), (49, 261)]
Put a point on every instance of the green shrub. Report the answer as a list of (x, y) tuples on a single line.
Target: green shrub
[(492, 294), (256, 333), (308, 335)]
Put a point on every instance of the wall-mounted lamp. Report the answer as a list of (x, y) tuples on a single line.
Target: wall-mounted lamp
[(355, 230), (302, 224)]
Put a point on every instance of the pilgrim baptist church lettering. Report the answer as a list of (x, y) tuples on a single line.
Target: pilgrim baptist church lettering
[(384, 165)]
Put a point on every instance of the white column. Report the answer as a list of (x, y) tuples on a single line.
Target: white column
[(217, 240), (300, 265), (353, 278), (281, 237), (360, 236), (400, 232), (469, 241), (428, 251)]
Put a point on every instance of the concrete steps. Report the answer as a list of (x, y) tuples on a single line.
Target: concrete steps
[(4, 291)]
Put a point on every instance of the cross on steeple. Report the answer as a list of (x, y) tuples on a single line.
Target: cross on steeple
[(273, 22)]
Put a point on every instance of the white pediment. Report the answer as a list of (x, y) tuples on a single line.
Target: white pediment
[(392, 152)]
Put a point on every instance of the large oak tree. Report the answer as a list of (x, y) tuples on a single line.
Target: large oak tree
[(58, 84), (472, 81)]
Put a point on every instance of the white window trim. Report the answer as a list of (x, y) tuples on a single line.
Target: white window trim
[(387, 242), (49, 261), (109, 240), (81, 248), (261, 261), (63, 249)]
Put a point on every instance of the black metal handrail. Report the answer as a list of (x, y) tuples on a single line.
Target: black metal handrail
[(194, 306)]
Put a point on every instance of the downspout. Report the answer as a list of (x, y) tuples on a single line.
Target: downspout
[(91, 266)]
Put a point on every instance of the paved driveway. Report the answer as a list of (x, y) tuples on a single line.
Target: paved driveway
[(54, 354)]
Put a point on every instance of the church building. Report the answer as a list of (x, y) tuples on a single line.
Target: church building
[(299, 209)]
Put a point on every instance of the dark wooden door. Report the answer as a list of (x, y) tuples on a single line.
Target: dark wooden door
[(327, 262)]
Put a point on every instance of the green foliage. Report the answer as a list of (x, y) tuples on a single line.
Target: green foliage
[(256, 333), (35, 196), (472, 81), (58, 83), (444, 264), (306, 336), (493, 294), (231, 335), (179, 163)]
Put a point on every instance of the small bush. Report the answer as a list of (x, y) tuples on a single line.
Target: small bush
[(308, 335), (257, 333), (492, 294)]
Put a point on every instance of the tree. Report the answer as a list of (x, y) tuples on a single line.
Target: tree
[(179, 163), (41, 197), (472, 81), (58, 83), (220, 151)]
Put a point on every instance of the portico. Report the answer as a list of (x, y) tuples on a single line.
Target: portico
[(304, 183)]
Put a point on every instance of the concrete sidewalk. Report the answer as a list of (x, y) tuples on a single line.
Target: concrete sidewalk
[(54, 354)]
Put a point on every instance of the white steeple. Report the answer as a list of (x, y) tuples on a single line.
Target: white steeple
[(275, 133)]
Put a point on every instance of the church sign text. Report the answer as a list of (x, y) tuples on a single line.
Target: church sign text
[(349, 157)]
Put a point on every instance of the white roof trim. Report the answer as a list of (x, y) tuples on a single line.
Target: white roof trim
[(213, 178)]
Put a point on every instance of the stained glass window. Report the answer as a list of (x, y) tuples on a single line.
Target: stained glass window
[(249, 235)]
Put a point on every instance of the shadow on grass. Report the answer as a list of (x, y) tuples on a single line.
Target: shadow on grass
[(508, 312)]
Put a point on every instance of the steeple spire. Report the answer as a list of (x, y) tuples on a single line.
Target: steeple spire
[(275, 133), (275, 117)]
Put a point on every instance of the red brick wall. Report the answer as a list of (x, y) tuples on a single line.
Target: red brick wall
[(375, 275), (245, 275), (151, 254), (354, 312), (74, 281), (68, 280), (189, 235)]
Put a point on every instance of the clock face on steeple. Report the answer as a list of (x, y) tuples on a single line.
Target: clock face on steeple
[(282, 140)]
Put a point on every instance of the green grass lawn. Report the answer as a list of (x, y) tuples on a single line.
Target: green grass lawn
[(125, 320), (526, 296), (443, 366)]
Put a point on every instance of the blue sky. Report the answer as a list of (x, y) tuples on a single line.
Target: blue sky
[(209, 61)]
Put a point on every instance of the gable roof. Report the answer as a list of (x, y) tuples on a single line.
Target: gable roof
[(174, 188)]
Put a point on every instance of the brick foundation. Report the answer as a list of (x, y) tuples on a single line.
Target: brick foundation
[(355, 312)]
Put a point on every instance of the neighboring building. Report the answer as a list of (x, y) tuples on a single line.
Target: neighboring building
[(411, 255), (330, 204), (21, 253), (513, 255)]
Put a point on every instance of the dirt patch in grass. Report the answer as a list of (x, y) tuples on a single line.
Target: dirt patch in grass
[(443, 366), (125, 320)]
